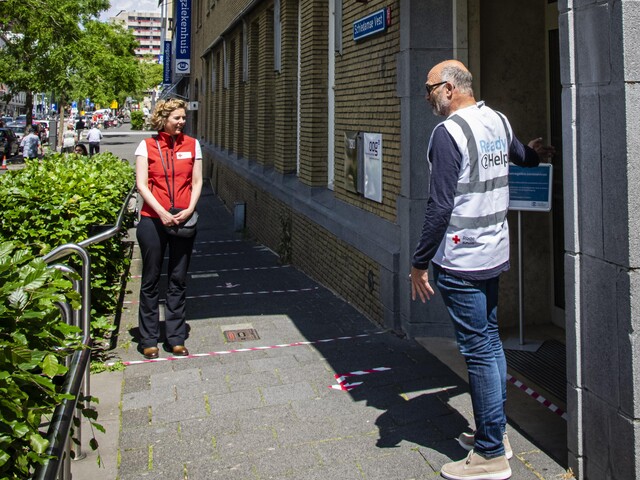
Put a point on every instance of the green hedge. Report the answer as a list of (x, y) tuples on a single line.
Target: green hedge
[(137, 120), (62, 199), (49, 203)]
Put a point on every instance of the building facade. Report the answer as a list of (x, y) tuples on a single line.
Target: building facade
[(146, 27), (312, 115)]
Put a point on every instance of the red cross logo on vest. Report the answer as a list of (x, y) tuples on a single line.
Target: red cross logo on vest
[(456, 239)]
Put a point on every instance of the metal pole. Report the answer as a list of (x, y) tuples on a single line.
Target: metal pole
[(520, 280)]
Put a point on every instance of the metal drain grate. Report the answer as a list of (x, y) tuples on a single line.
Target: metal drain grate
[(242, 335), (546, 367)]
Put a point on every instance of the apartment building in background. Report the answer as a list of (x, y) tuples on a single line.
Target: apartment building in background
[(146, 27)]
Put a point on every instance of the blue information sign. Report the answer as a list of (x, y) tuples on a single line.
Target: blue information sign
[(371, 24), (530, 188), (166, 66), (183, 37)]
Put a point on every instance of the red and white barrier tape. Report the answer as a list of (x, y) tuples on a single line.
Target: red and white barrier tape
[(536, 396), (251, 349), (342, 377)]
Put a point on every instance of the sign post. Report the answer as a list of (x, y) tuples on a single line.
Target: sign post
[(529, 190)]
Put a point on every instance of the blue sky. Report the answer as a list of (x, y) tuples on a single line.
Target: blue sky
[(130, 5)]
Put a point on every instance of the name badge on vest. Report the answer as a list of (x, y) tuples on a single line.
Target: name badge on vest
[(183, 155)]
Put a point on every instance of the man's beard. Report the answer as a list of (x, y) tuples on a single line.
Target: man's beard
[(439, 106)]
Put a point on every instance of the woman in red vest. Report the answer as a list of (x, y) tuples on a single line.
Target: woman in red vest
[(169, 179)]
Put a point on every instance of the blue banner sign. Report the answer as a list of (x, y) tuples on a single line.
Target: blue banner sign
[(183, 37), (530, 188), (371, 24), (166, 65)]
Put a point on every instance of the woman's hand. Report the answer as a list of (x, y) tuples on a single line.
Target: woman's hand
[(168, 219), (182, 216)]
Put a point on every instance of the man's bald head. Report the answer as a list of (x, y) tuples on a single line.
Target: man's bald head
[(454, 72)]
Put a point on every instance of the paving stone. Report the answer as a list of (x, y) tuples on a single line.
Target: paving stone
[(401, 464), (179, 410), (138, 417), (216, 469), (170, 379), (285, 462), (252, 380), (235, 401), (136, 384), (287, 393), (148, 398)]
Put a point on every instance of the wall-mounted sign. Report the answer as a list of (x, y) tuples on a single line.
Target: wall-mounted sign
[(371, 24), (372, 146), (183, 37), (530, 188), (166, 65)]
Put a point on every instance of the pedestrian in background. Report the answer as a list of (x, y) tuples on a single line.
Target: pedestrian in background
[(80, 149), (169, 179), (80, 126), (69, 139), (465, 236), (30, 144), (94, 135)]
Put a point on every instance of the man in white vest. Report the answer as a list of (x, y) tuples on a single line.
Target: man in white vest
[(465, 236)]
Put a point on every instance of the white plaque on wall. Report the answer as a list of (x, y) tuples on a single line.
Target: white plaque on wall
[(373, 166)]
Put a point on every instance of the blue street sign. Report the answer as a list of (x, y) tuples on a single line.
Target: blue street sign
[(371, 24)]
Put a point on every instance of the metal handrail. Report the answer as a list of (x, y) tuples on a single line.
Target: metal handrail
[(78, 374)]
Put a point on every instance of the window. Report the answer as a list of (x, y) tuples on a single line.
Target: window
[(225, 64), (277, 37), (245, 52)]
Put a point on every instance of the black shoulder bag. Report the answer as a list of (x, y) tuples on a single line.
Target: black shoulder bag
[(185, 229)]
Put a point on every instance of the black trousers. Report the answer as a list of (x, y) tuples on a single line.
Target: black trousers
[(94, 147), (153, 241)]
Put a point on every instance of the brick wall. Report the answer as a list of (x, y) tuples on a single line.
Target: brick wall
[(366, 101), (258, 120)]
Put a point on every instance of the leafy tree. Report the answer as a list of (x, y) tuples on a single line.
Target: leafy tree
[(151, 72), (107, 66), (59, 46), (40, 38)]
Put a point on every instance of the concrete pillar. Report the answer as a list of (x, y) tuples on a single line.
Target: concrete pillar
[(600, 58), (427, 37)]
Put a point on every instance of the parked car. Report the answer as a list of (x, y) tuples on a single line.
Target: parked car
[(9, 143), (17, 130), (6, 120)]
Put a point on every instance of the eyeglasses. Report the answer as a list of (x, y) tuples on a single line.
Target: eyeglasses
[(431, 88)]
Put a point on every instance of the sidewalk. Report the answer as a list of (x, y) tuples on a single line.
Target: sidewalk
[(272, 407)]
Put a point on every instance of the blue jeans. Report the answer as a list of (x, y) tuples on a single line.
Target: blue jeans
[(473, 307)]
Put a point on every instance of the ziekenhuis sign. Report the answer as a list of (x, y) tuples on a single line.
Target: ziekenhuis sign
[(183, 37), (371, 24)]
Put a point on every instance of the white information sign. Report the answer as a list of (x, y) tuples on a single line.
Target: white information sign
[(373, 166)]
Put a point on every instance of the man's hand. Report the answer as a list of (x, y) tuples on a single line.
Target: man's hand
[(545, 152), (420, 285)]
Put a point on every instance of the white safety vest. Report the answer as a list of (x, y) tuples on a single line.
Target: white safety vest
[(477, 237)]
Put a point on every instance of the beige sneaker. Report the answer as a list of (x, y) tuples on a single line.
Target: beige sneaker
[(467, 440), (476, 467)]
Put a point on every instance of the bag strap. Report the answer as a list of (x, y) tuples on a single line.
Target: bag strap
[(166, 176)]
